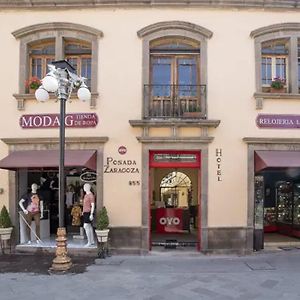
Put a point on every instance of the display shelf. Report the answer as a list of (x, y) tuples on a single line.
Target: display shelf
[(296, 204), (284, 201), (270, 219)]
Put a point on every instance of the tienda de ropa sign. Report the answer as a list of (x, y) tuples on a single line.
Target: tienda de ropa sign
[(78, 120)]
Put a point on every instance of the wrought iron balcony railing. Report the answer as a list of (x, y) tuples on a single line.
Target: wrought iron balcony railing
[(174, 101)]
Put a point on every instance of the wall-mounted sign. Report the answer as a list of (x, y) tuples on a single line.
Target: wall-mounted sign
[(78, 120), (164, 157), (278, 121), (88, 177), (174, 159), (120, 166), (122, 150)]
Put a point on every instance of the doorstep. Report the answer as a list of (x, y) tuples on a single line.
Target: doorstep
[(44, 249)]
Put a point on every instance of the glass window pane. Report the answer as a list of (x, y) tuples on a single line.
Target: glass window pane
[(86, 69), (36, 67), (281, 68), (161, 76), (187, 76), (266, 70)]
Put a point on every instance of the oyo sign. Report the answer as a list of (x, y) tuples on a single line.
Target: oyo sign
[(169, 221)]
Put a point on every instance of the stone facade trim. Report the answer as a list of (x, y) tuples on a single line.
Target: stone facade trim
[(177, 123), (174, 25), (56, 31), (289, 31), (20, 33), (262, 140), (275, 28), (63, 4), (260, 97)]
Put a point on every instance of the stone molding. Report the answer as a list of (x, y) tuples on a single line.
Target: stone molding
[(63, 4), (172, 123), (260, 97), (20, 33), (195, 140), (22, 98), (174, 25), (57, 31), (275, 28), (289, 31), (266, 141), (54, 140)]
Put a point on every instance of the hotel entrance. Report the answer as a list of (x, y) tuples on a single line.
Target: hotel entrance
[(174, 200)]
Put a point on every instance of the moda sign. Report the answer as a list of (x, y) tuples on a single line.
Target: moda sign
[(278, 121), (78, 120)]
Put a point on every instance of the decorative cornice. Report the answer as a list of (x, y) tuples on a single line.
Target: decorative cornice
[(63, 4), (148, 139), (174, 123), (174, 25), (260, 97), (22, 98), (71, 140), (275, 28), (55, 26), (262, 140)]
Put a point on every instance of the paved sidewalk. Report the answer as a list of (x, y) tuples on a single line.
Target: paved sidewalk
[(159, 276)]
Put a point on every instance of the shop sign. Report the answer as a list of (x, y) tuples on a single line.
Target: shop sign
[(77, 120), (120, 166), (88, 177), (278, 121), (166, 157)]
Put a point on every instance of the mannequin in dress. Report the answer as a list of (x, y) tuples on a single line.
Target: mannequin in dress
[(88, 211), (32, 207)]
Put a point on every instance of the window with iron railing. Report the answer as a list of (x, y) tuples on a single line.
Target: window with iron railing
[(174, 89)]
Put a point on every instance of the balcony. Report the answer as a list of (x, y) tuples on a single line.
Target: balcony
[(174, 101)]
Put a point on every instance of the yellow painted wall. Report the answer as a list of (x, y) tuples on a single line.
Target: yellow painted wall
[(231, 84)]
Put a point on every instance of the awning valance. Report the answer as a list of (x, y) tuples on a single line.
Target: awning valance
[(44, 159), (276, 159)]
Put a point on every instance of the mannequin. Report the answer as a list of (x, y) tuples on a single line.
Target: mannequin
[(88, 211), (32, 207)]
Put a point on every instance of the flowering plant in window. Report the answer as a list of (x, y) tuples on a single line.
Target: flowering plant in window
[(33, 83), (278, 83)]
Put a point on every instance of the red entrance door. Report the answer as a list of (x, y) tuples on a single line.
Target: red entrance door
[(171, 220)]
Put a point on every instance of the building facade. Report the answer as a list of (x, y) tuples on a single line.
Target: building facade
[(193, 106)]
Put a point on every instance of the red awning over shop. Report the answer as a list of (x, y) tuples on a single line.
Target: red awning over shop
[(276, 159), (30, 159)]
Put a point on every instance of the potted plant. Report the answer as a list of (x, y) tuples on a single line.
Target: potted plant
[(193, 112), (102, 222), (32, 84), (278, 85), (5, 224)]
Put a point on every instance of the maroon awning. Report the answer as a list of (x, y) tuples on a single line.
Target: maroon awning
[(276, 159), (44, 159)]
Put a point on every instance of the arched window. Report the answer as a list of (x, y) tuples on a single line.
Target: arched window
[(174, 70), (277, 58), (42, 43)]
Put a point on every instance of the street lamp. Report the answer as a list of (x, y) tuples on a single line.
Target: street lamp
[(62, 80)]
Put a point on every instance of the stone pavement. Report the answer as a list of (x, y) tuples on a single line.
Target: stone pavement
[(271, 275)]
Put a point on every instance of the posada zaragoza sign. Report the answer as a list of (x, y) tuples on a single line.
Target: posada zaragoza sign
[(77, 120)]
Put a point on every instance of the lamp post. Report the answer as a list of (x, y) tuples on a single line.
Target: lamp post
[(62, 80)]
